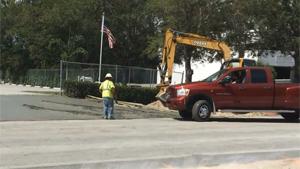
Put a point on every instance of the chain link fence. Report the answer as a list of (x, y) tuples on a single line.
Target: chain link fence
[(121, 74), (42, 77), (77, 71)]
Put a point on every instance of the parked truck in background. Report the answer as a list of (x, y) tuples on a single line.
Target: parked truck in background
[(240, 89)]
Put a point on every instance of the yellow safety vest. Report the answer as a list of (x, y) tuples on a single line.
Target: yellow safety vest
[(107, 87)]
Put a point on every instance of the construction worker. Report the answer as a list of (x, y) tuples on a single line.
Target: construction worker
[(108, 89)]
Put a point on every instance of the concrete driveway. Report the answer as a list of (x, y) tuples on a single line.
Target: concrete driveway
[(14, 89), (21, 103)]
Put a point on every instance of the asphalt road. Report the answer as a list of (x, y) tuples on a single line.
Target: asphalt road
[(46, 107), (144, 143), (19, 103)]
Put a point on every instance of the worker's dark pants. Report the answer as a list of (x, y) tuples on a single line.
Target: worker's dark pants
[(108, 107)]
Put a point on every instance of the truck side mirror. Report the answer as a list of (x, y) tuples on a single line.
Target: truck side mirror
[(227, 79)]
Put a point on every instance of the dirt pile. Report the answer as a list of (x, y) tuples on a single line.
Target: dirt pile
[(251, 114), (293, 163), (157, 105)]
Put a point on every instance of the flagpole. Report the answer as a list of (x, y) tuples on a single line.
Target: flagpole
[(101, 44)]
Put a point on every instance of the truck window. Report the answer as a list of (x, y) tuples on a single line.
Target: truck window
[(258, 76), (215, 76), (238, 77), (248, 62)]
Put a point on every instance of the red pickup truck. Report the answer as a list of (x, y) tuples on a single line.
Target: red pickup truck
[(242, 89)]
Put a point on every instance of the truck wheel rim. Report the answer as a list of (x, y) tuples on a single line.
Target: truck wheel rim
[(203, 111)]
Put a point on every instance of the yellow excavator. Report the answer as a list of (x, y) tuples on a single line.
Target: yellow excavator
[(172, 38)]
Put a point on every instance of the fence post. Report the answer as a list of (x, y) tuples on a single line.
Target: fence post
[(129, 75), (153, 78), (66, 70), (60, 77), (45, 80), (150, 79)]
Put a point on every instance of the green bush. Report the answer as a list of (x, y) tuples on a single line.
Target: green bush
[(142, 95), (80, 89)]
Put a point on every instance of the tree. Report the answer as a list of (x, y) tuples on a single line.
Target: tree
[(194, 16), (132, 24), (42, 32), (14, 56), (278, 24), (38, 33), (240, 26), (261, 25)]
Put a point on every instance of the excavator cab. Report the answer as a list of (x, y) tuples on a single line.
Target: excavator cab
[(238, 62)]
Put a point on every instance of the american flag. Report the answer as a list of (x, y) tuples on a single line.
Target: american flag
[(110, 37)]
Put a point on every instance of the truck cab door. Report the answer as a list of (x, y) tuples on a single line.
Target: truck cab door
[(224, 95), (247, 89), (256, 92), (236, 87)]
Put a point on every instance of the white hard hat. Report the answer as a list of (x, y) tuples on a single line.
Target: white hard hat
[(108, 75)]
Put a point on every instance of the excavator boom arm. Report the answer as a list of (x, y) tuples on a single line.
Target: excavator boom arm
[(172, 38)]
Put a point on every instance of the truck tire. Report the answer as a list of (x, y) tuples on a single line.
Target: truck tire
[(291, 116), (186, 115), (201, 110)]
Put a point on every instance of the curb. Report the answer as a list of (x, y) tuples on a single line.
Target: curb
[(25, 85)]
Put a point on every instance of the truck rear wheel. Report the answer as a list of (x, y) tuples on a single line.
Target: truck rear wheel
[(185, 114), (201, 110), (291, 116)]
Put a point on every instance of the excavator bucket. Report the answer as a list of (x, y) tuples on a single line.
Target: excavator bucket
[(161, 95)]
